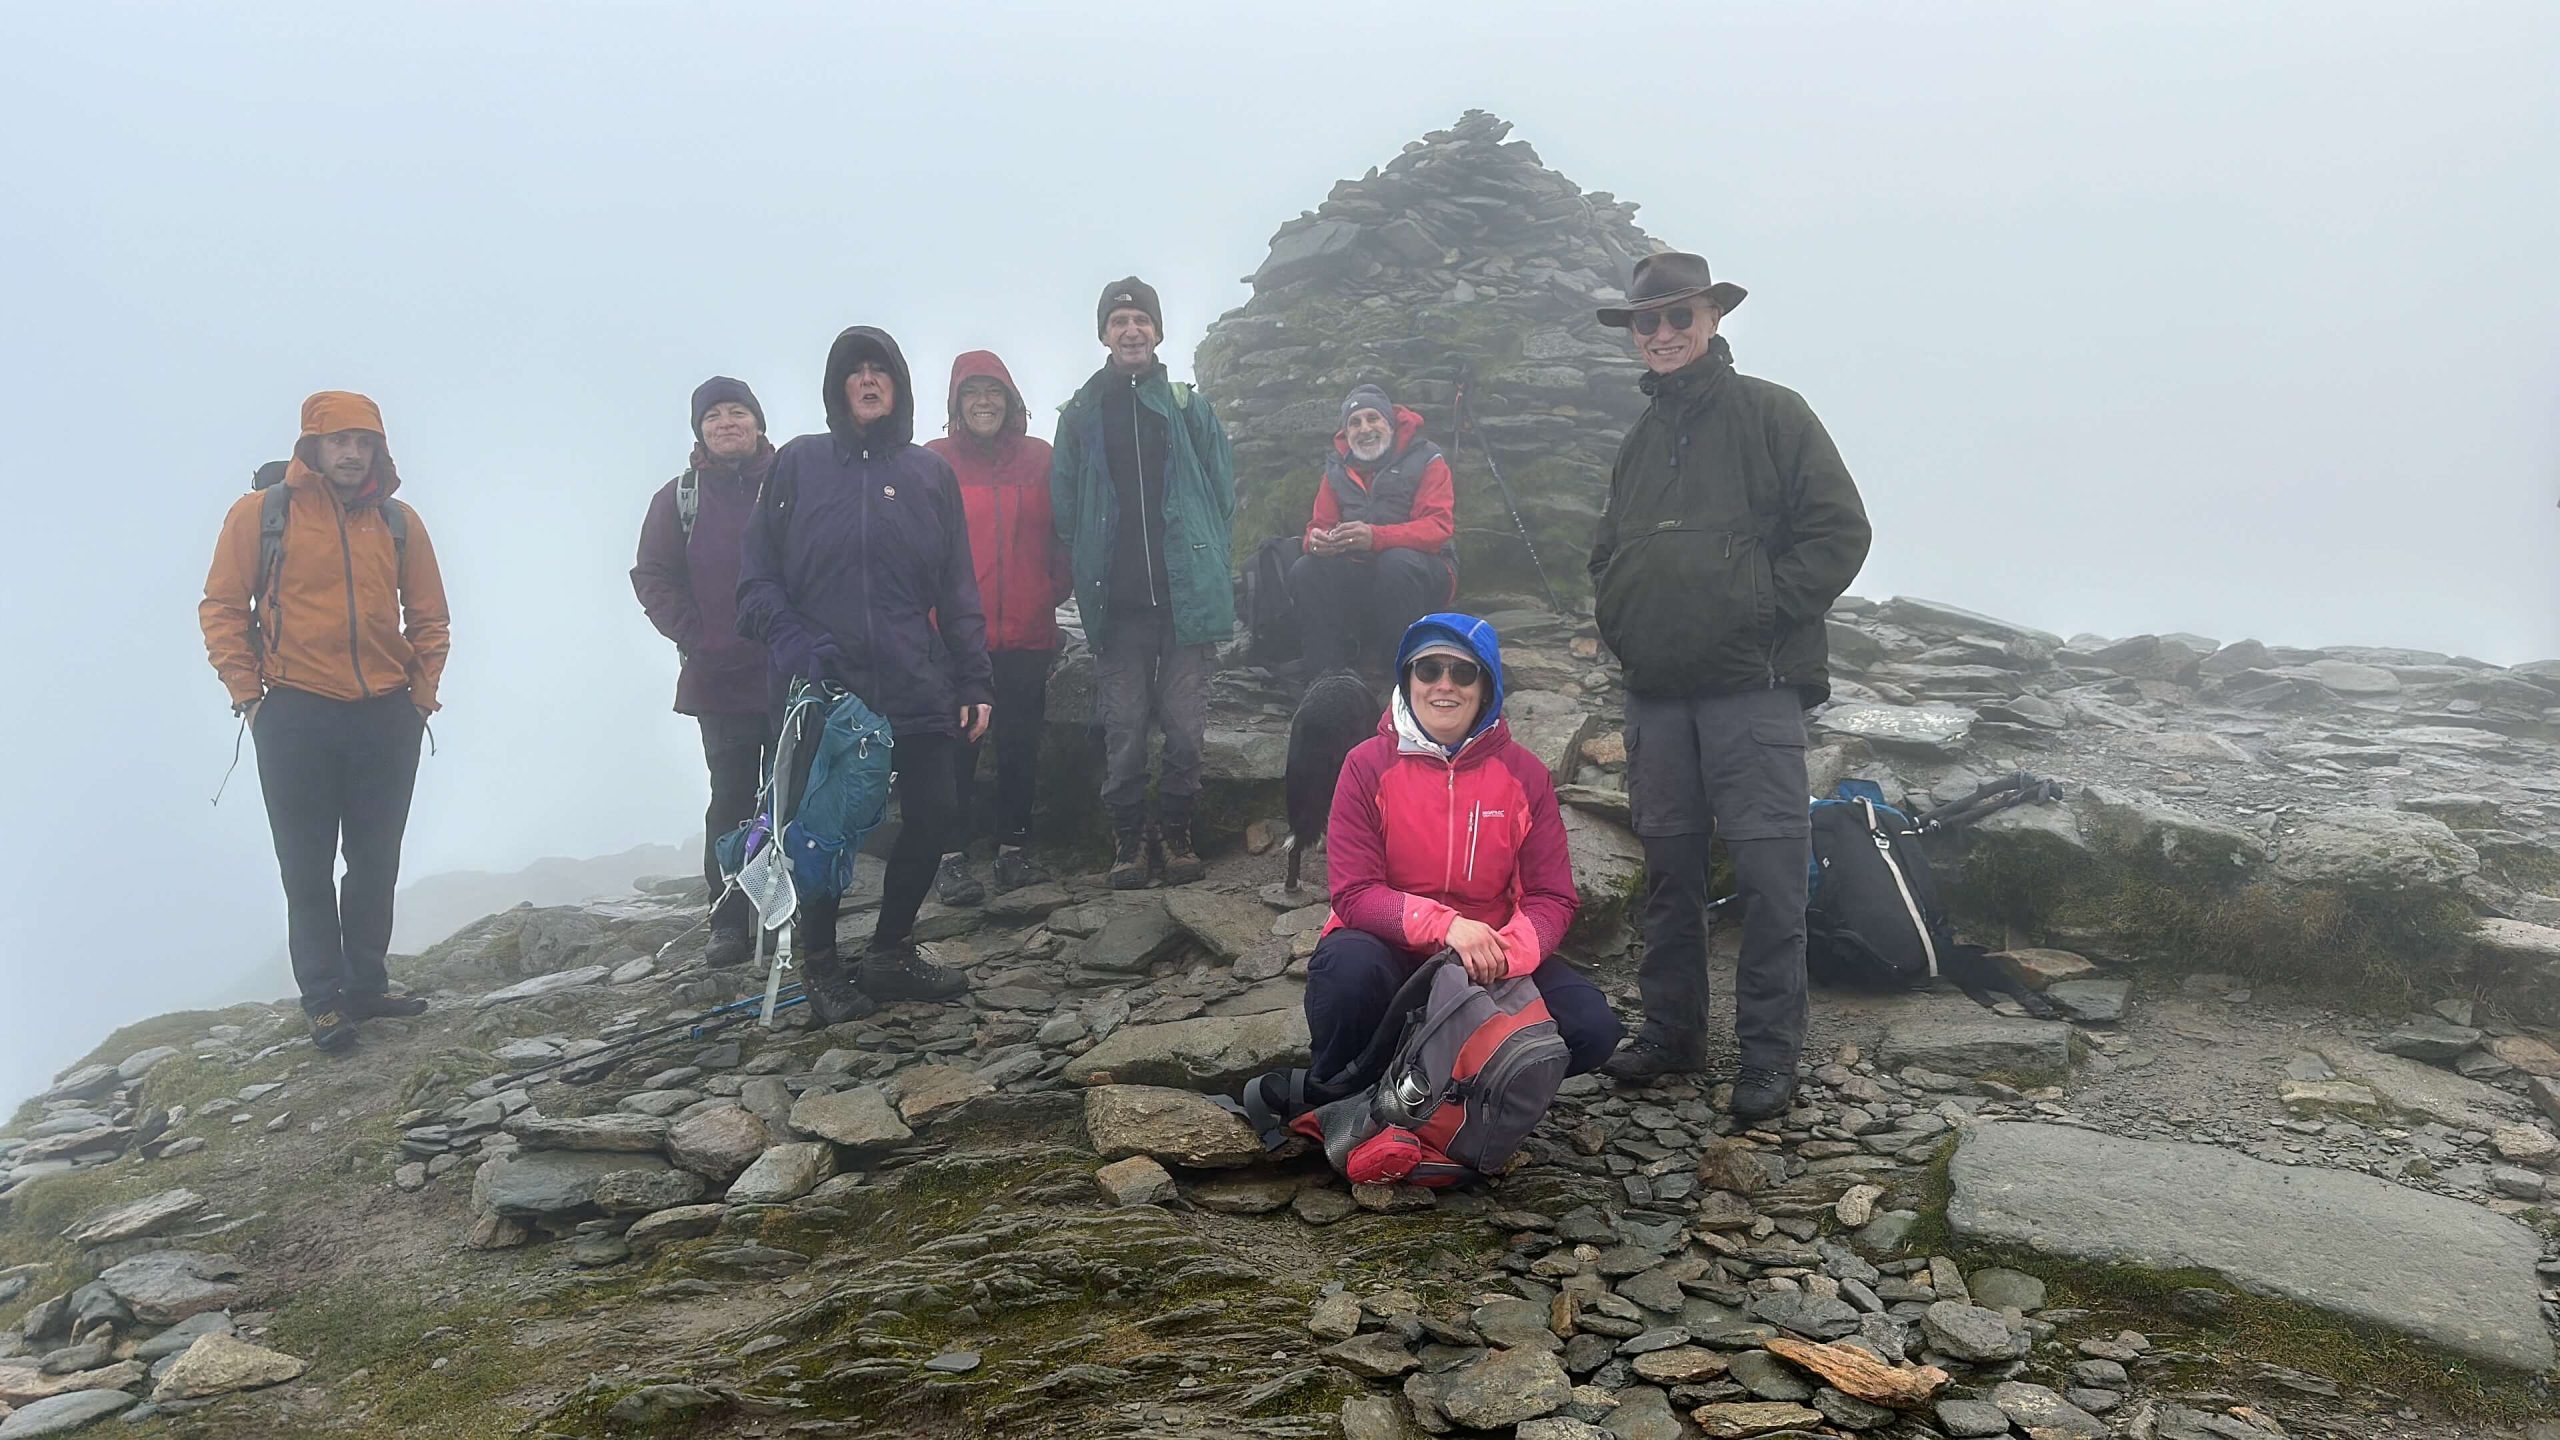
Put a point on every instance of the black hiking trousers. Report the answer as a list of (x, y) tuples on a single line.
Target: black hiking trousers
[(928, 789), (1022, 708), (734, 749), (337, 776), (1353, 609)]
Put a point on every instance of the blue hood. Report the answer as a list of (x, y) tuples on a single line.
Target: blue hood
[(1465, 630)]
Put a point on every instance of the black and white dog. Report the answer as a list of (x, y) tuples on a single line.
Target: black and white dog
[(1337, 712)]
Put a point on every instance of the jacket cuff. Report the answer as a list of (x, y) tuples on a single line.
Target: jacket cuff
[(1520, 946), (1426, 922)]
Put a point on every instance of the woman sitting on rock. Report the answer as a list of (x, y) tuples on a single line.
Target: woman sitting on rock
[(1445, 834)]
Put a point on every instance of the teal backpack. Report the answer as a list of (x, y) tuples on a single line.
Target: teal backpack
[(836, 751)]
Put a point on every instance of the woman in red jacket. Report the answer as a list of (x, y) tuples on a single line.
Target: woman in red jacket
[(1445, 834), (1022, 579)]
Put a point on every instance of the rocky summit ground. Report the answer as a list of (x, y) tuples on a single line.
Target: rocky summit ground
[(2289, 1169)]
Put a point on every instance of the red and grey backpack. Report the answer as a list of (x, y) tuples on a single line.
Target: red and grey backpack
[(1455, 1080)]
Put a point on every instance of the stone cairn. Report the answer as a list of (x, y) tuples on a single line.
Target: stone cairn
[(1463, 254)]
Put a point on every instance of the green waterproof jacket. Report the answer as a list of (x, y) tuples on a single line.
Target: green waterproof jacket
[(1731, 527), (1200, 507)]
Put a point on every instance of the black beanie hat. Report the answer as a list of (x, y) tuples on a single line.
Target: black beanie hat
[(719, 390), (1128, 294)]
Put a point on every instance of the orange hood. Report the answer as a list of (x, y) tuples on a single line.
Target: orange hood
[(327, 413)]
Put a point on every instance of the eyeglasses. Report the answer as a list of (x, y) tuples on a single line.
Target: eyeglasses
[(1681, 317), (1461, 673)]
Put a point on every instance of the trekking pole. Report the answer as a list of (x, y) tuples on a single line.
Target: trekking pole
[(1504, 486)]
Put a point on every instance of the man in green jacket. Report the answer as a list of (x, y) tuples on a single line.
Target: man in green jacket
[(1731, 527), (1143, 485)]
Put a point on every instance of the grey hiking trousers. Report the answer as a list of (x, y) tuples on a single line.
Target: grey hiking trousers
[(1728, 766)]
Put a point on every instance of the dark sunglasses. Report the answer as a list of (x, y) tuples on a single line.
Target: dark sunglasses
[(1648, 321), (1461, 673)]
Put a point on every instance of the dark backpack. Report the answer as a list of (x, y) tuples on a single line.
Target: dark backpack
[(1270, 612), (1874, 911), (1455, 1080), (1875, 916), (275, 503)]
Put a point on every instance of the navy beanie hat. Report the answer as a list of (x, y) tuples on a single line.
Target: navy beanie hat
[(1368, 397), (719, 390)]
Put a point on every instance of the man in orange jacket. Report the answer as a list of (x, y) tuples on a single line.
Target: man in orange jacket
[(325, 617)]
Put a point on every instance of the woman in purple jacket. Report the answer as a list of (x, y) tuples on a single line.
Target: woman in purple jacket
[(857, 571)]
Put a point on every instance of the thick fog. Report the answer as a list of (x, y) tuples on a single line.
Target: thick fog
[(2232, 320)]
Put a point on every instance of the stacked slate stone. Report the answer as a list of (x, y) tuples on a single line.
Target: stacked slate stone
[(1462, 254)]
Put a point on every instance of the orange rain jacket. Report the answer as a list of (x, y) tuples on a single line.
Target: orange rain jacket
[(349, 615)]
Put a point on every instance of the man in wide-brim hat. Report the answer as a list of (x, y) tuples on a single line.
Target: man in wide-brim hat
[(1731, 527)]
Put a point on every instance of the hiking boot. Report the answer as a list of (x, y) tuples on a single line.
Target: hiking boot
[(832, 994), (1175, 859), (728, 948), (1644, 1061), (379, 1004), (1129, 860), (900, 972), (333, 1032), (956, 884), (1015, 869), (1759, 1094)]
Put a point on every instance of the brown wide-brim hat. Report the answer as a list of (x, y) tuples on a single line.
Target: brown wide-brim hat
[(1667, 279)]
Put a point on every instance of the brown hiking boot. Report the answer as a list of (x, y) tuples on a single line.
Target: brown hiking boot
[(1129, 860), (1176, 859)]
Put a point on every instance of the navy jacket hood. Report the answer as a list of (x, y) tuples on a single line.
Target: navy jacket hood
[(856, 344)]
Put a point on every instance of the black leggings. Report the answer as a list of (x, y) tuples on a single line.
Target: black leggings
[(1022, 707), (928, 810)]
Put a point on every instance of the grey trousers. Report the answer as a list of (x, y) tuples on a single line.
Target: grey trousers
[(1729, 766), (1144, 681)]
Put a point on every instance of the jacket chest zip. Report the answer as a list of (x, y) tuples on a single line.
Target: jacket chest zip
[(1146, 507), (347, 561)]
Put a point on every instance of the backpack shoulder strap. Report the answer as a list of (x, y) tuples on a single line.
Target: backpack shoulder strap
[(1181, 394), (688, 498), (275, 507)]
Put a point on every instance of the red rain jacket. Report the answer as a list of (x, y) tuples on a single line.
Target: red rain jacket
[(1023, 573)]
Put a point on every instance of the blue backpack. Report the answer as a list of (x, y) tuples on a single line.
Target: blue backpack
[(839, 766)]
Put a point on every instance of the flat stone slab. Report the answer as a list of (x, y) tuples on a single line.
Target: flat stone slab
[(1212, 1053), (1952, 1034), (62, 1414), (133, 1221), (552, 983), (2336, 1241), (2419, 1089)]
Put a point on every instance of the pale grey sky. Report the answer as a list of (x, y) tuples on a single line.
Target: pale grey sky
[(2228, 319)]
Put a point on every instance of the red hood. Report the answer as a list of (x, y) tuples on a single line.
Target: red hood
[(1408, 430), (983, 364)]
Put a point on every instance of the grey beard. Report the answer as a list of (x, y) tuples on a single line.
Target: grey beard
[(1369, 457)]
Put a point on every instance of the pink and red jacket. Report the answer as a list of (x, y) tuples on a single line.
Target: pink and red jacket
[(1420, 837)]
